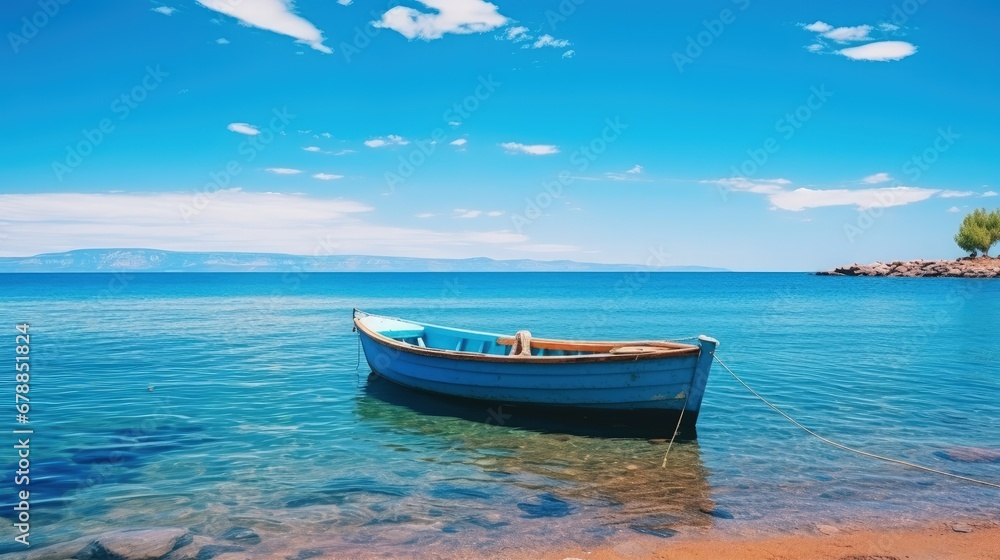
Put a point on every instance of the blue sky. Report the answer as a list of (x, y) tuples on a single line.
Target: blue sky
[(744, 134)]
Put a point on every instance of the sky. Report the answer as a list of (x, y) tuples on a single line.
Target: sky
[(743, 134)]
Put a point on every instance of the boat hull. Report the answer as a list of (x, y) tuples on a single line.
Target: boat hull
[(643, 388)]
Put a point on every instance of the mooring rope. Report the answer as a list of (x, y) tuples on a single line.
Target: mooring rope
[(840, 445), (676, 429)]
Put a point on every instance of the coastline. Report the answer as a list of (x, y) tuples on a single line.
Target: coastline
[(966, 267), (971, 540)]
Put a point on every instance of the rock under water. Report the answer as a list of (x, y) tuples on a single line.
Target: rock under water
[(970, 455), (129, 544)]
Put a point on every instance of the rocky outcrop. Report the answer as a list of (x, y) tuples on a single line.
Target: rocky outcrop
[(968, 267)]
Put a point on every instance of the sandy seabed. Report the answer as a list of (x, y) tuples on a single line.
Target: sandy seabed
[(938, 541)]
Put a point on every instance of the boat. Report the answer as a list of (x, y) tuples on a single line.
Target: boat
[(655, 385)]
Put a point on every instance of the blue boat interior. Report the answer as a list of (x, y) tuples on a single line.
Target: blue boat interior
[(458, 340)]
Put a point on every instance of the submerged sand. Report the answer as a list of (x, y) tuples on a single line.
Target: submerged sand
[(969, 540)]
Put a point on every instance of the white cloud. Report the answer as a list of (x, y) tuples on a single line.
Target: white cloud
[(877, 178), (454, 123), (233, 220), (516, 34), (244, 128), (425, 215), (818, 27), (550, 41), (447, 16), (778, 193), (344, 152), (988, 194), (759, 186), (345, 2), (633, 175), (863, 199), (318, 150), (530, 149), (876, 51), (327, 176), (326, 135), (954, 209), (283, 171), (545, 248), (880, 51), (502, 236), (846, 34), (390, 140), (466, 213), (840, 34), (272, 15), (459, 142), (222, 41), (569, 54), (955, 194), (165, 10)]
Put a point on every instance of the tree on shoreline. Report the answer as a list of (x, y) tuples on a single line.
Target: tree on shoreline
[(979, 231)]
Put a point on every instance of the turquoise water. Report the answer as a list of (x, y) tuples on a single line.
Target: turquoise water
[(258, 415)]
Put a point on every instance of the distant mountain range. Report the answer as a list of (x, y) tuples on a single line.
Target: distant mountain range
[(153, 260)]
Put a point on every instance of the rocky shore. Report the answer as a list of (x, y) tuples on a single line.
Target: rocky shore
[(967, 267)]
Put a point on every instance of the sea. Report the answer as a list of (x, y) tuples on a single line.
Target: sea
[(210, 402)]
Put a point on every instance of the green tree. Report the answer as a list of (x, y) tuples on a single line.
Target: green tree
[(979, 231)]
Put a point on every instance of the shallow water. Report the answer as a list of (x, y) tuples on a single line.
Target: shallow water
[(260, 417)]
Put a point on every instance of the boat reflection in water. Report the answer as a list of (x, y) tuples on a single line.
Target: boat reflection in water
[(606, 484)]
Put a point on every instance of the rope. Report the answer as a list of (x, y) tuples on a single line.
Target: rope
[(676, 429), (842, 446)]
